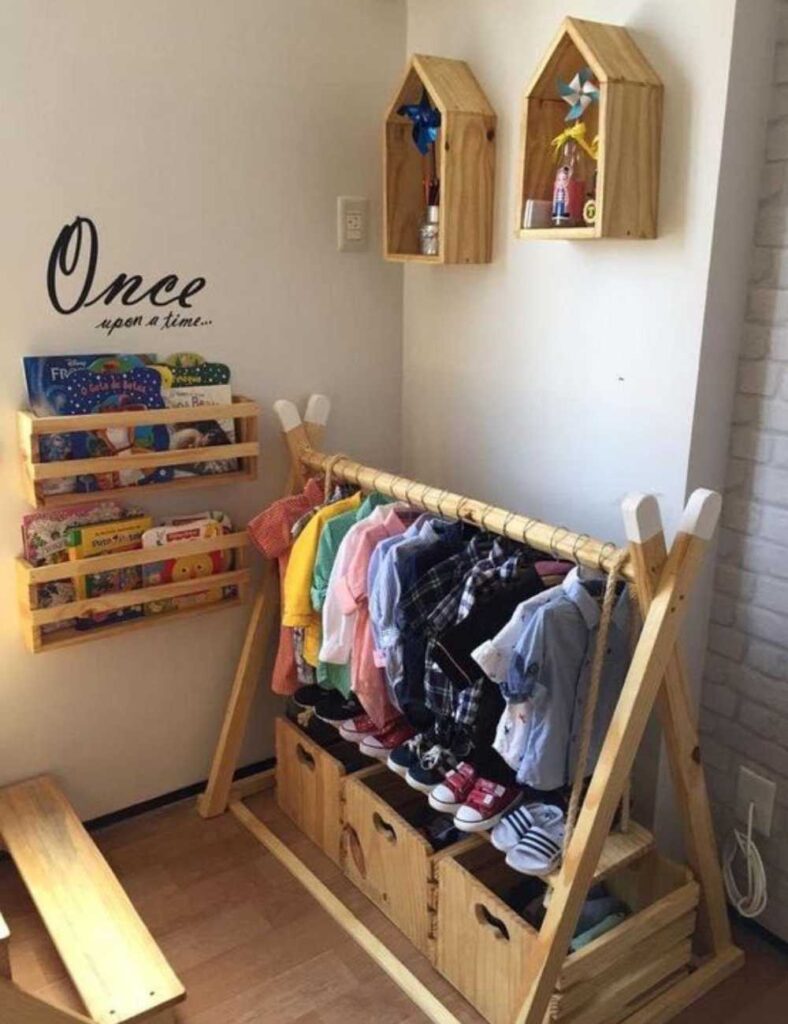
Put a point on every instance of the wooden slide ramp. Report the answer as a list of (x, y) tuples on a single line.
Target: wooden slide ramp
[(113, 960)]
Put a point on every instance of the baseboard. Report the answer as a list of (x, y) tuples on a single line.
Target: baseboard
[(751, 924), (171, 798)]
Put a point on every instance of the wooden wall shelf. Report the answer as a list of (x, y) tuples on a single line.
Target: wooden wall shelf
[(35, 617), (246, 450), (465, 164), (627, 120)]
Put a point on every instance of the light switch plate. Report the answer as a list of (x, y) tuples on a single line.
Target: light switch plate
[(352, 223), (757, 790)]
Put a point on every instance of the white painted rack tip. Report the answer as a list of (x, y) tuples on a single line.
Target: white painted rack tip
[(318, 409), (288, 414), (701, 514), (641, 517)]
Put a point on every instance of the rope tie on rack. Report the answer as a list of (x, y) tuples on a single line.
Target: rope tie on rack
[(597, 664), (331, 463)]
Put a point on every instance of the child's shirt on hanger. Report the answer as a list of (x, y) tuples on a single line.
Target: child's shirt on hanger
[(270, 532), (297, 607), (550, 667)]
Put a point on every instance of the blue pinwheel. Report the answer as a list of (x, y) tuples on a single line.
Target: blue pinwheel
[(579, 93), (426, 121)]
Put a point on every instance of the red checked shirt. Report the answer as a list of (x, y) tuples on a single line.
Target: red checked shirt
[(270, 532)]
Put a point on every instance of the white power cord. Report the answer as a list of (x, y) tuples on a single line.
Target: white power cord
[(754, 901)]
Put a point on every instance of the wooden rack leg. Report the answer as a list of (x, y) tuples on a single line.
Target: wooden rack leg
[(263, 624), (649, 553), (646, 672)]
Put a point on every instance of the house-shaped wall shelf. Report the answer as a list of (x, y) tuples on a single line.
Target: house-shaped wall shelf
[(464, 154), (627, 121)]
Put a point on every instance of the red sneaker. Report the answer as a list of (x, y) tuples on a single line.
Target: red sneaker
[(381, 744), (485, 805), (356, 729), (456, 787)]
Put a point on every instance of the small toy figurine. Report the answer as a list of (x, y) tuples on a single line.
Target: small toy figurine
[(569, 189)]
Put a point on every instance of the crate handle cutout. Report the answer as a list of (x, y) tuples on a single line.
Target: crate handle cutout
[(386, 830), (498, 928), (305, 757), (354, 849)]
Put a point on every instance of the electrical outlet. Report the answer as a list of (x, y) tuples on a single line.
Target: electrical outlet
[(754, 789), (352, 223)]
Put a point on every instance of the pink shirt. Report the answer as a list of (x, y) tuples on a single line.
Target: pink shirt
[(367, 678)]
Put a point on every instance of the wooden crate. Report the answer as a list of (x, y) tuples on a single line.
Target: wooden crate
[(483, 945), (465, 163), (627, 121), (34, 617), (389, 859), (246, 450), (310, 782)]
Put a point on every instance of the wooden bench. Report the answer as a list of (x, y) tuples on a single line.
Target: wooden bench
[(113, 960)]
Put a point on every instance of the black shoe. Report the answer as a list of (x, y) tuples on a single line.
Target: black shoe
[(429, 770), (336, 709), (407, 754), (308, 696)]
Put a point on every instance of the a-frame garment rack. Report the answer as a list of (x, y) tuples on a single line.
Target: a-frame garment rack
[(663, 580)]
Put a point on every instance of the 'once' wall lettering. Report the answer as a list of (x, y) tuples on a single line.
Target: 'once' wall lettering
[(71, 274)]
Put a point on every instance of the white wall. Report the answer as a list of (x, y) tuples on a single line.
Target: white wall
[(745, 693), (567, 374), (203, 138)]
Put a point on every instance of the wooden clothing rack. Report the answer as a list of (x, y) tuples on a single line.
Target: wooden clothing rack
[(663, 580)]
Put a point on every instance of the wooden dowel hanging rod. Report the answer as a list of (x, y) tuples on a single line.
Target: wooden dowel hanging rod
[(554, 540)]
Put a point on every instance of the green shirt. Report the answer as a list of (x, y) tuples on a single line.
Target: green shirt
[(336, 677)]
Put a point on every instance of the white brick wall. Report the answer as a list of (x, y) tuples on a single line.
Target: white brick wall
[(744, 714)]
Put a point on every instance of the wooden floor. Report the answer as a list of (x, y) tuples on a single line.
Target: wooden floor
[(253, 948)]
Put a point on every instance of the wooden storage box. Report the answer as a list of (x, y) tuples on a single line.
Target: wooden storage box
[(34, 616), (310, 782), (627, 121), (464, 162), (245, 449), (388, 858), (483, 945)]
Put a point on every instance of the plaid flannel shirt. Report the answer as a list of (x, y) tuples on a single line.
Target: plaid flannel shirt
[(502, 567), (431, 606)]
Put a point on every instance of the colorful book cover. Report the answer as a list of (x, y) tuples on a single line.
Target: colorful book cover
[(89, 392), (102, 539), (45, 542), (46, 377), (44, 533), (189, 567), (188, 369), (202, 433), (50, 381)]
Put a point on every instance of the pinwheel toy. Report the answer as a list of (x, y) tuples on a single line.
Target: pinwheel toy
[(580, 93), (426, 122)]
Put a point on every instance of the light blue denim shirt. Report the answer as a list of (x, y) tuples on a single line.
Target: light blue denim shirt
[(550, 668)]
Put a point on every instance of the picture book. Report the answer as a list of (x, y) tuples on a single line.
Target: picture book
[(189, 567), (100, 539), (70, 385), (44, 542), (187, 369), (44, 533), (46, 377), (202, 433), (220, 517)]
